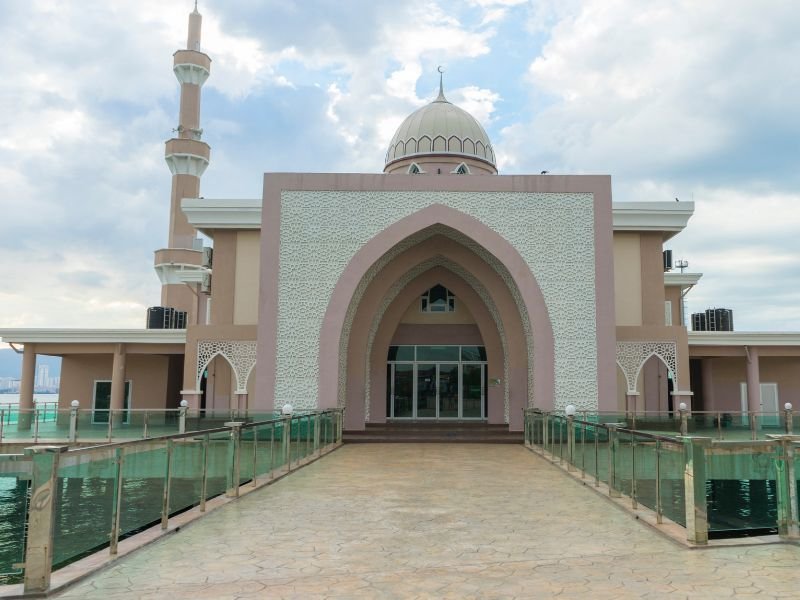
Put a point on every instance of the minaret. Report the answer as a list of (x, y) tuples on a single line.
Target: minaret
[(187, 157)]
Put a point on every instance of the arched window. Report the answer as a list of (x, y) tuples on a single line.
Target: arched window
[(414, 169), (461, 169), (438, 299)]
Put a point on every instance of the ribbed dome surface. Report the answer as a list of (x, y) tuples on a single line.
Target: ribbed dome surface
[(440, 128)]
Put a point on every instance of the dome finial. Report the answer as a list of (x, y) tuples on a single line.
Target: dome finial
[(440, 97)]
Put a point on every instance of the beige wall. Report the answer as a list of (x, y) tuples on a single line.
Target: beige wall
[(627, 278), (727, 374), (245, 304), (148, 375), (652, 273)]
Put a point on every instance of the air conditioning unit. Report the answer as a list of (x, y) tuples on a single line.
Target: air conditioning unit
[(205, 286), (667, 255), (208, 257)]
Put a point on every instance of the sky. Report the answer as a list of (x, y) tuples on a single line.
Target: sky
[(673, 99)]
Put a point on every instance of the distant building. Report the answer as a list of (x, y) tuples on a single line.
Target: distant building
[(713, 319)]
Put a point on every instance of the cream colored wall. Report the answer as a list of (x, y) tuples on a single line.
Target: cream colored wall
[(245, 303), (148, 376), (461, 316), (628, 278)]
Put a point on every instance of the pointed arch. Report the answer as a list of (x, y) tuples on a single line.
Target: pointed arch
[(437, 214)]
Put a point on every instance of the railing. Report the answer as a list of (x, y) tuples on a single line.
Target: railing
[(48, 424), (688, 479), (721, 425), (72, 502)]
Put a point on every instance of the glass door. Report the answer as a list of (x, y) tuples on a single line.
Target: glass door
[(472, 391), (448, 391), (403, 393), (426, 390)]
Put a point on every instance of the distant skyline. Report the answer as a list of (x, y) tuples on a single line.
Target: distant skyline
[(676, 99)]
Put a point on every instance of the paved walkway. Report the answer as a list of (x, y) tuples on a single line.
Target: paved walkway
[(434, 521)]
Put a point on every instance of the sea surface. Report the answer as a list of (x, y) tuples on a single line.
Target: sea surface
[(14, 398)]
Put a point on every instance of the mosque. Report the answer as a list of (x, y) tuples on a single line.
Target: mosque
[(438, 290)]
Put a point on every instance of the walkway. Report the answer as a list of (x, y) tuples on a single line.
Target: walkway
[(434, 521)]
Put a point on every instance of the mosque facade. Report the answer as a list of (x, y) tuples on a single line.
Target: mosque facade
[(438, 290)]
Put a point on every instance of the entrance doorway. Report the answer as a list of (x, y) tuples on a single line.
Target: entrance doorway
[(436, 383)]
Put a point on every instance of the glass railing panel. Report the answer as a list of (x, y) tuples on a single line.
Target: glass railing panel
[(92, 425), (163, 422), (186, 475), (733, 426), (15, 475), (590, 450), (672, 486), (645, 472), (84, 502), (267, 445), (623, 463), (770, 424), (144, 471), (246, 448), (741, 489), (217, 478), (602, 453)]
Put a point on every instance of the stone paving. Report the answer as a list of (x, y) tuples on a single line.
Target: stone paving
[(435, 521)]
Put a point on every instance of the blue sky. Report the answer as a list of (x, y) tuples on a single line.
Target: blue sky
[(696, 100)]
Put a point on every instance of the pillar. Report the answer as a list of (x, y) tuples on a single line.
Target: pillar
[(630, 401), (26, 385), (753, 380), (118, 382)]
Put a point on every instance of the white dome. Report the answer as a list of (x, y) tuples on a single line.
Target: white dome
[(440, 128)]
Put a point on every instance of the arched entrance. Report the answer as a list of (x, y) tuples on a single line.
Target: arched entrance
[(370, 281)]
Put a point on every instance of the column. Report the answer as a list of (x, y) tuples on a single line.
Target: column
[(26, 387), (753, 380), (630, 402), (118, 383)]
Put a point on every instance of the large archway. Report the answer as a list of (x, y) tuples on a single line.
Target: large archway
[(489, 253)]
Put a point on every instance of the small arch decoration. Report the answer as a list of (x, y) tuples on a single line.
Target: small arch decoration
[(631, 357), (241, 356)]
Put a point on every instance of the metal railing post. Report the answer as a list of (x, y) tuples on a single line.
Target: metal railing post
[(204, 480), (73, 421), (299, 435), (597, 455), (286, 442), (694, 478), (41, 517), (36, 425), (110, 424), (787, 418), (753, 426), (255, 455), (167, 485), (317, 420), (788, 518), (271, 450), (570, 443), (2, 422), (182, 416), (583, 450), (234, 458), (613, 449), (634, 498), (116, 507), (146, 425), (659, 507)]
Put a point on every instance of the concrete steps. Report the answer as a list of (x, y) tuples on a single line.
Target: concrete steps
[(434, 432)]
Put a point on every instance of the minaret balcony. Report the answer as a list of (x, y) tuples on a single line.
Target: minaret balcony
[(191, 66), (187, 156), (179, 265)]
